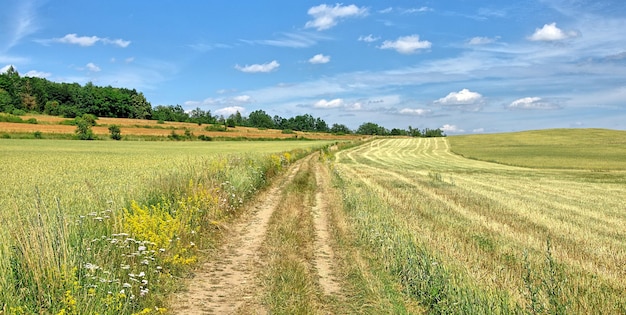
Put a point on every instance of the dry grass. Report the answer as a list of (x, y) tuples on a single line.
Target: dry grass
[(477, 219)]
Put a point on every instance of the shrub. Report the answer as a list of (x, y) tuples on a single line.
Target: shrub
[(288, 131), (37, 134), (83, 130), (116, 132), (31, 121)]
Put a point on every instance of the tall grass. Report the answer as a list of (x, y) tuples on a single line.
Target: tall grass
[(118, 245)]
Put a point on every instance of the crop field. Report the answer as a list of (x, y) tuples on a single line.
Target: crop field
[(54, 127), (106, 227), (473, 237)]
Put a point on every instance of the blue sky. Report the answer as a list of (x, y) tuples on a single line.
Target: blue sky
[(464, 66)]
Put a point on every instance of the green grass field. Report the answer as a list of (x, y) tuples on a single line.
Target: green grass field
[(108, 227), (590, 149)]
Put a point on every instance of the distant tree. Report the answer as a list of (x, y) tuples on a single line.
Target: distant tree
[(279, 122), (398, 132), (321, 125), (371, 128), (414, 132), (428, 133), (5, 101), (83, 129), (140, 107), (116, 132), (260, 119), (340, 129)]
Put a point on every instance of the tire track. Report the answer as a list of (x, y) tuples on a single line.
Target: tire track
[(228, 283)]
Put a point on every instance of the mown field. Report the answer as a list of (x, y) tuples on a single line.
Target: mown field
[(465, 236), (103, 227)]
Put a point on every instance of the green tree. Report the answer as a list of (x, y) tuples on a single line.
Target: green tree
[(260, 119), (371, 128), (116, 132), (83, 129), (340, 129)]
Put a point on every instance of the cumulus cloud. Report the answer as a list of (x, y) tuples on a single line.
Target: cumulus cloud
[(550, 33), (37, 74), (325, 17), (85, 41), (230, 110), (451, 129), (414, 111), (483, 40), (532, 103), (406, 44), (92, 67), (368, 39), (462, 97), (329, 104), (319, 59), (256, 68), (242, 99)]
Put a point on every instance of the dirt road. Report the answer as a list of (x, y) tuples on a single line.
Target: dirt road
[(231, 281)]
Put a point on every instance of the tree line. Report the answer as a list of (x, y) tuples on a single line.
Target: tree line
[(20, 95)]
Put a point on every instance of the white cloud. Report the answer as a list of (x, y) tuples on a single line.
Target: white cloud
[(414, 111), (117, 42), (37, 74), (462, 97), (451, 129), (325, 17), (222, 101), (406, 44), (227, 111), (329, 104), (387, 10), (129, 59), (550, 32), (319, 59), (417, 10), (242, 99), (86, 41), (255, 68), (478, 130), (483, 40), (92, 67), (354, 106), (77, 40), (292, 40), (368, 39), (532, 103)]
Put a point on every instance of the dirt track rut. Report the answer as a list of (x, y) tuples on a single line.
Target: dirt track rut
[(227, 283)]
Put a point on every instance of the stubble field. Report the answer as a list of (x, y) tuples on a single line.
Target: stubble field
[(467, 236)]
